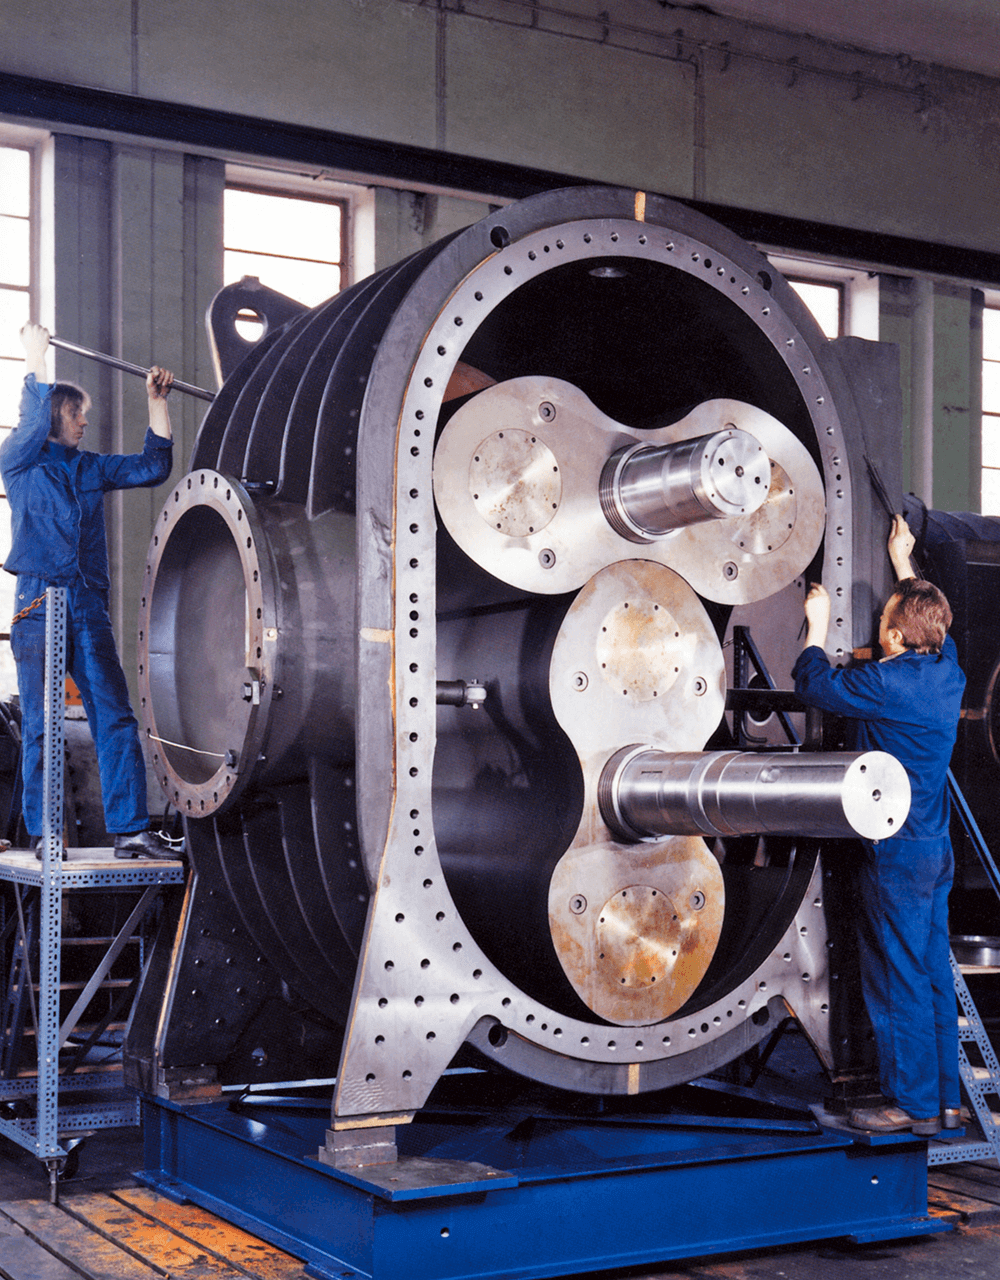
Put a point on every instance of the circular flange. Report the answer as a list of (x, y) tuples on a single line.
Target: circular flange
[(640, 649), (208, 589), (639, 936), (514, 482), (752, 556), (769, 527)]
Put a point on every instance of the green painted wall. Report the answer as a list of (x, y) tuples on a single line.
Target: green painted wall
[(640, 94)]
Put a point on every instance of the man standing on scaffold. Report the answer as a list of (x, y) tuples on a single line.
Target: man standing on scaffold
[(56, 494)]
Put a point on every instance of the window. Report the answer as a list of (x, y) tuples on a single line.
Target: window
[(825, 301), (18, 274), (15, 273), (292, 243), (991, 411), (843, 299)]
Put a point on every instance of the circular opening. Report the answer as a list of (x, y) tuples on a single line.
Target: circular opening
[(199, 607)]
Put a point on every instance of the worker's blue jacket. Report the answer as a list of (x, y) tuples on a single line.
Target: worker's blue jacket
[(56, 495), (908, 706)]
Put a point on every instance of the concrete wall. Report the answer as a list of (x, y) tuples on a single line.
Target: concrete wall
[(630, 92), (637, 93)]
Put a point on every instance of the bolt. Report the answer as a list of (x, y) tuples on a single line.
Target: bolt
[(578, 904), (546, 411)]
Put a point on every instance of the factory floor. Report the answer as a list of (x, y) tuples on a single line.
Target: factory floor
[(109, 1227)]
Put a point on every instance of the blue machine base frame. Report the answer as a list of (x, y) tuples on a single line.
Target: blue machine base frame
[(476, 1197)]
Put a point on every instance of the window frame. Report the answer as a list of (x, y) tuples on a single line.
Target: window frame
[(357, 239), (859, 290), (991, 302), (40, 290)]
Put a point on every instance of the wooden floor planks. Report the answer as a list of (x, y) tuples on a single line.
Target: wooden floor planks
[(219, 1239), (134, 1234), (968, 1192), (131, 1234)]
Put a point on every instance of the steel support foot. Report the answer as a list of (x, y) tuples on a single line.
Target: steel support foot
[(351, 1148)]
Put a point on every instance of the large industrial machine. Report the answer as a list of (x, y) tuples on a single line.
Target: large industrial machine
[(458, 647)]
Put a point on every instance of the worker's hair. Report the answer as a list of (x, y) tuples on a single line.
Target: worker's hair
[(921, 614), (66, 393)]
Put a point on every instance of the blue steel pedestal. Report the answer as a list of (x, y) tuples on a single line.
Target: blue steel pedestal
[(535, 1195)]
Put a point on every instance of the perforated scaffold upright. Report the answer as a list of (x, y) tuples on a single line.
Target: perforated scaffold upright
[(44, 1104)]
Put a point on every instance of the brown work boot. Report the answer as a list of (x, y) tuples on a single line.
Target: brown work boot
[(892, 1119)]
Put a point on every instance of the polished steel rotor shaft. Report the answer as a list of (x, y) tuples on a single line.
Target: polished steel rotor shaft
[(647, 793)]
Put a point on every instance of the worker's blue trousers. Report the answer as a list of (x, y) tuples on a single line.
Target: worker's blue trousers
[(906, 975), (92, 660)]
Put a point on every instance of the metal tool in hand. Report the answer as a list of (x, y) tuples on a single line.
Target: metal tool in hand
[(127, 367)]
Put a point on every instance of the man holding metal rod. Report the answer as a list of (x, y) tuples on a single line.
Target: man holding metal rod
[(56, 494)]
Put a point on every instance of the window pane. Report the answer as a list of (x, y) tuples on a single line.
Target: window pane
[(15, 181), (991, 492), (991, 333), (282, 225), (13, 314), (991, 440), (991, 386), (824, 301), (308, 282), (15, 260), (11, 381)]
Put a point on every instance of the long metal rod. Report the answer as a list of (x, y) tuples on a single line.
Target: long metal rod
[(972, 830), (127, 367)]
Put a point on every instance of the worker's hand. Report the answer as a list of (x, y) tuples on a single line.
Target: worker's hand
[(35, 340), (817, 608), (901, 544), (158, 383)]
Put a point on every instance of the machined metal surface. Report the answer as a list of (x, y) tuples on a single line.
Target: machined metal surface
[(398, 495), (832, 794), (541, 488), (976, 951), (647, 491)]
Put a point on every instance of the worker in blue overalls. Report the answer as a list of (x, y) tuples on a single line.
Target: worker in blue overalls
[(56, 493), (907, 703)]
